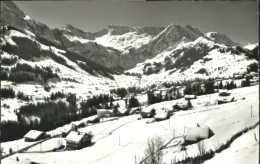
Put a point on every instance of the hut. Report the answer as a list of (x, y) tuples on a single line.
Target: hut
[(101, 113), (77, 140), (196, 134), (162, 114), (34, 135), (224, 97)]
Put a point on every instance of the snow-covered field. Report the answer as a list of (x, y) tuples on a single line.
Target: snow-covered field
[(124, 140), (245, 149)]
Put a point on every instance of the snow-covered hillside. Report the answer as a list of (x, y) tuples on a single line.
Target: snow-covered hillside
[(201, 58), (220, 38), (73, 77), (124, 38), (125, 139), (251, 46)]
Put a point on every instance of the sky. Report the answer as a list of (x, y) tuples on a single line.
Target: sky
[(237, 19)]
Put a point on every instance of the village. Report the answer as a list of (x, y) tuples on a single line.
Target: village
[(117, 83), (82, 134)]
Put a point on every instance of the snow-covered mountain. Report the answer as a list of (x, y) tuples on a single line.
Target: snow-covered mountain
[(164, 53), (202, 58), (220, 38), (123, 38)]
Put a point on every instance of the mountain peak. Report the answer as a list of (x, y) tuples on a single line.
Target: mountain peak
[(11, 14), (116, 26), (251, 46), (220, 38), (72, 30), (118, 30)]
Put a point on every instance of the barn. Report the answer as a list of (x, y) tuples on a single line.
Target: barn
[(34, 135), (77, 140)]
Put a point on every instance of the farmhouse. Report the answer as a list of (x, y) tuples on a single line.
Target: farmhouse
[(195, 134), (34, 135), (77, 140)]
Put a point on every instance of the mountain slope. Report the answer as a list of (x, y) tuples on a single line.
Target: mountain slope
[(124, 38), (115, 47), (37, 70), (147, 50), (202, 58), (220, 38)]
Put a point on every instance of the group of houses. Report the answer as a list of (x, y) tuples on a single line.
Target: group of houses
[(167, 93), (74, 139)]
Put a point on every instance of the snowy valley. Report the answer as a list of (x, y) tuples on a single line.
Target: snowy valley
[(105, 84)]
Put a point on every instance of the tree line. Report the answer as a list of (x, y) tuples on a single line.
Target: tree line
[(10, 93), (8, 61), (192, 87), (123, 92), (52, 114), (24, 72)]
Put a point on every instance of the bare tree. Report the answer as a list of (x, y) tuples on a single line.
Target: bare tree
[(153, 151)]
